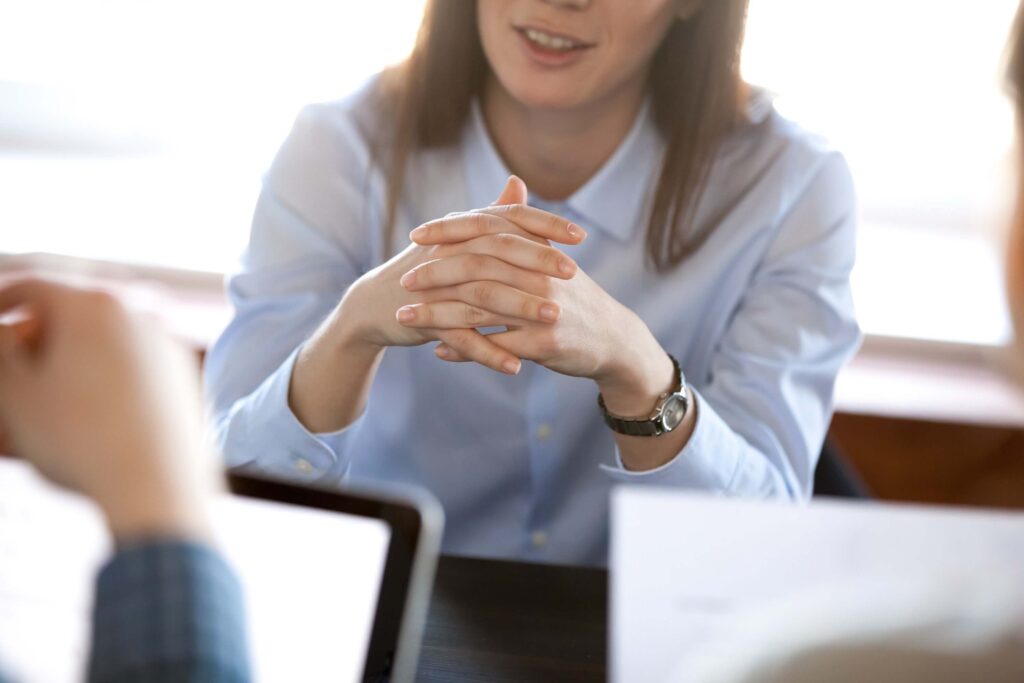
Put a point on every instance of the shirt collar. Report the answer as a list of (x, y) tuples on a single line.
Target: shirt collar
[(760, 104), (615, 199), (485, 170), (612, 200)]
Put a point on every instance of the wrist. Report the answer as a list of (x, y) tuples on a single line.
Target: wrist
[(146, 514), (349, 329), (344, 337), (335, 366), (637, 376)]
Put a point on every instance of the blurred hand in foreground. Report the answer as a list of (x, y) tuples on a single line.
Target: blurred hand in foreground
[(101, 401)]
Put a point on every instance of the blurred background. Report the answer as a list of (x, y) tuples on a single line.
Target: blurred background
[(135, 132)]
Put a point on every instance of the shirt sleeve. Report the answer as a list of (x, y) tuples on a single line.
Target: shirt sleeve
[(168, 611), (762, 417), (309, 242)]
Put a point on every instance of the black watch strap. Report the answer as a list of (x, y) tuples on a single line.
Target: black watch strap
[(654, 424)]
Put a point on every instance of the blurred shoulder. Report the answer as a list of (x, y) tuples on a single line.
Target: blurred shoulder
[(352, 125), (796, 158), (782, 162)]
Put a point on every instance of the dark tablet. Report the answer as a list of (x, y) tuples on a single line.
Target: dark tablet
[(355, 607)]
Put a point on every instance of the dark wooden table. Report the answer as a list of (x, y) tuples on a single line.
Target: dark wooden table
[(500, 621)]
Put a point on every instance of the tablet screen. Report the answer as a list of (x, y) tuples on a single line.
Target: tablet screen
[(311, 579)]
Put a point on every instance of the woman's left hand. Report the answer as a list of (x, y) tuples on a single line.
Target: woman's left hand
[(593, 336)]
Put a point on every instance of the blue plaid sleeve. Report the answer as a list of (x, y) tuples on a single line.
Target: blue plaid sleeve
[(168, 611)]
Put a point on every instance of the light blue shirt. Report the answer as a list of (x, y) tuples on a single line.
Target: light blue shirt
[(760, 318)]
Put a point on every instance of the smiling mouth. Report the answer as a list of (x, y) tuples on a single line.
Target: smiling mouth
[(551, 41)]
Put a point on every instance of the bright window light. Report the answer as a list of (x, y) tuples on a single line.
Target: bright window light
[(138, 131), (175, 109), (911, 92)]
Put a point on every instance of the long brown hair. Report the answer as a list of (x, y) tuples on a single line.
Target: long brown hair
[(694, 82)]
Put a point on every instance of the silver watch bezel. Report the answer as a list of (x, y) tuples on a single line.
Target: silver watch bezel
[(659, 417)]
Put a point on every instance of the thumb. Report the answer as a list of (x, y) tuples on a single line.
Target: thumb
[(514, 192)]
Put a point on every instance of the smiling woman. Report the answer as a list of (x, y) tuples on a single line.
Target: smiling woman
[(658, 295), (691, 57)]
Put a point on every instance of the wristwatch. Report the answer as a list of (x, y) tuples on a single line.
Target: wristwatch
[(670, 410)]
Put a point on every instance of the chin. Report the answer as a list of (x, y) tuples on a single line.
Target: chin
[(546, 93)]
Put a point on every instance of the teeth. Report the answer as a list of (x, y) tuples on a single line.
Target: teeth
[(549, 41)]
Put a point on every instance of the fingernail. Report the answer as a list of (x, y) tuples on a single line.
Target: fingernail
[(549, 312), (511, 367), (409, 279), (575, 231), (406, 314), (417, 233), (566, 266), (442, 351)]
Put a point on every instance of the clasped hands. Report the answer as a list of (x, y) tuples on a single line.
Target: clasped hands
[(495, 267)]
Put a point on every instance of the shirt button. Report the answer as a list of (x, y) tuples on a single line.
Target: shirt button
[(539, 539), (303, 466), (544, 432)]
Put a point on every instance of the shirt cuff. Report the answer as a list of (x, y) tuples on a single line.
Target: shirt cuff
[(708, 461), (165, 609), (266, 438)]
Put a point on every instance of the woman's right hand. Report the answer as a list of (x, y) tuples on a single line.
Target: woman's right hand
[(508, 240)]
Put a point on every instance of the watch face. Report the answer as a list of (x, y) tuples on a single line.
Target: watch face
[(673, 412)]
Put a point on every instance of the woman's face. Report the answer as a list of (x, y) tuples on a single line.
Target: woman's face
[(569, 53)]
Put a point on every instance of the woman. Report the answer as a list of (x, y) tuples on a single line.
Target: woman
[(718, 235)]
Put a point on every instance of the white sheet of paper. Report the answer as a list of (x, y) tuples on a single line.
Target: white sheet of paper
[(311, 580), (687, 568)]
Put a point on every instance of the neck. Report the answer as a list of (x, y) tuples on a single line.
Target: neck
[(555, 151)]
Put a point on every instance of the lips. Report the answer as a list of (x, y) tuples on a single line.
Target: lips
[(551, 48), (552, 40)]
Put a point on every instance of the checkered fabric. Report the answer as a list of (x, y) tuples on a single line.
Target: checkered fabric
[(168, 611)]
